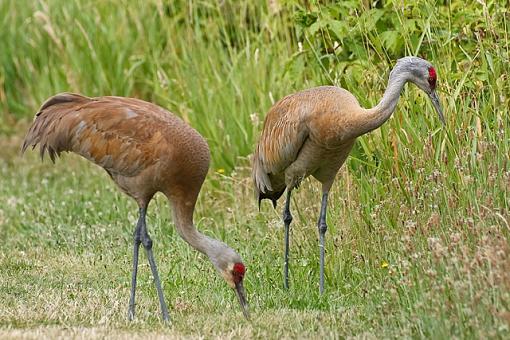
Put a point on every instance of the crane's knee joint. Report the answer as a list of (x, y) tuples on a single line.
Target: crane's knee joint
[(147, 242), (287, 217), (323, 227)]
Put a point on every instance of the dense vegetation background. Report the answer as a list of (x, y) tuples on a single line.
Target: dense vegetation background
[(418, 239)]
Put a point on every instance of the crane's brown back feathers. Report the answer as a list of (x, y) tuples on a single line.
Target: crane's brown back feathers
[(142, 146)]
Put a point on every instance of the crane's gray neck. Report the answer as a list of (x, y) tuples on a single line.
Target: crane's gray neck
[(190, 234), (376, 116), (388, 103), (218, 252)]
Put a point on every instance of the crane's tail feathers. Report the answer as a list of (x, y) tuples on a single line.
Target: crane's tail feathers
[(264, 189), (47, 129), (260, 177), (273, 196), (262, 196)]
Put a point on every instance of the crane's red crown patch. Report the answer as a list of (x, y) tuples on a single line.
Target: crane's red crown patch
[(238, 272), (432, 77)]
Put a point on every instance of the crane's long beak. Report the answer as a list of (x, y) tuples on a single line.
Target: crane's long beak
[(435, 101), (241, 294)]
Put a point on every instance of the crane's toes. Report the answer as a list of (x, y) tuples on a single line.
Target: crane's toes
[(131, 315), (166, 318)]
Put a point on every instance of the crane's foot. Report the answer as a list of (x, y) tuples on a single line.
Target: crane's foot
[(131, 313)]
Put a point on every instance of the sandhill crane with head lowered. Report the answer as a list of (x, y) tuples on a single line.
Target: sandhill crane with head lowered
[(312, 132), (145, 149)]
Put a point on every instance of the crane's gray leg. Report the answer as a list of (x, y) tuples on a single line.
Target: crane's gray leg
[(136, 246), (147, 244), (287, 218), (322, 231)]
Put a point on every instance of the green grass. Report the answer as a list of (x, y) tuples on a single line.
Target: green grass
[(419, 223)]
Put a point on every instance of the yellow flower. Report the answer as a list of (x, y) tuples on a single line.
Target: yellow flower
[(220, 171), (384, 264)]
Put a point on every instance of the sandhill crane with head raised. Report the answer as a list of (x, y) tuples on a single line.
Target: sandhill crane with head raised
[(312, 132), (145, 149)]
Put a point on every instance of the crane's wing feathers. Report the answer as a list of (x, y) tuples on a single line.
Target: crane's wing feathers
[(284, 132), (116, 133)]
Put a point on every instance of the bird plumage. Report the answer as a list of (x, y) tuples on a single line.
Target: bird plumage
[(311, 132), (300, 132), (131, 139), (145, 149)]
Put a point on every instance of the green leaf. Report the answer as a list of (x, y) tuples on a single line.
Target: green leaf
[(390, 40), (371, 17), (338, 28)]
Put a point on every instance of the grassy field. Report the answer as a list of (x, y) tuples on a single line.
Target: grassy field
[(419, 223)]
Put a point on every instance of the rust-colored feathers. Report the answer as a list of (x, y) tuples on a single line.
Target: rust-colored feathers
[(299, 131), (98, 129), (126, 136), (283, 135), (46, 130)]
